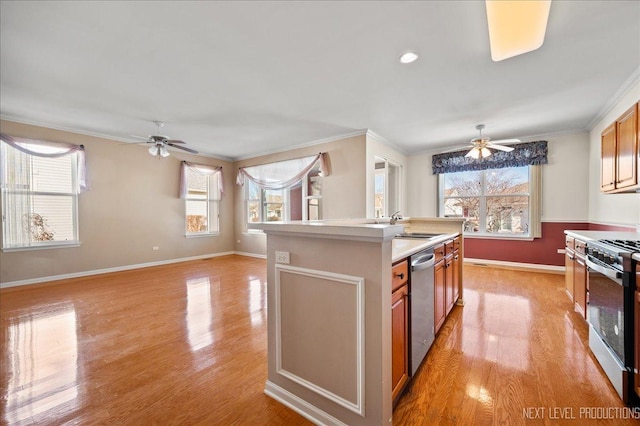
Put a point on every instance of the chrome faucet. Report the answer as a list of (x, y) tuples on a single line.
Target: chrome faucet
[(395, 217)]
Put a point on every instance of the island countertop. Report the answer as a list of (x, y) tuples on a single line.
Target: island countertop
[(404, 247)]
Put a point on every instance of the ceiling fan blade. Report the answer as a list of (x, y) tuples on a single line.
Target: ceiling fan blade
[(458, 148), (506, 141), (184, 148), (140, 137), (135, 143), (499, 147), (175, 141)]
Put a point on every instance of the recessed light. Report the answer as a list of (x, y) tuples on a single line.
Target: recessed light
[(408, 57)]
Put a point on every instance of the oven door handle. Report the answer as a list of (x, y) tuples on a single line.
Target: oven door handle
[(614, 275)]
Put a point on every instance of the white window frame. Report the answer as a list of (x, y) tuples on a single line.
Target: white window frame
[(212, 203), (533, 207), (8, 246)]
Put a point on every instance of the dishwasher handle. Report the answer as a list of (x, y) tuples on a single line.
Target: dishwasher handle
[(424, 261)]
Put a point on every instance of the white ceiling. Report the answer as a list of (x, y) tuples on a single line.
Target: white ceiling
[(236, 79)]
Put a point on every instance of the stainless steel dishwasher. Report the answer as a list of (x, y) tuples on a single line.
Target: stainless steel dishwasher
[(422, 304)]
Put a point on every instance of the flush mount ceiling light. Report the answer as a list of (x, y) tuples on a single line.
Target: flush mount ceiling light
[(408, 57), (516, 27)]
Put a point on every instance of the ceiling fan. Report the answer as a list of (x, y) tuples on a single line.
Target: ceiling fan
[(480, 146), (159, 143)]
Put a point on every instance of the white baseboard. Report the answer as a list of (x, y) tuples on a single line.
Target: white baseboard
[(516, 265), (109, 270), (300, 406), (258, 256)]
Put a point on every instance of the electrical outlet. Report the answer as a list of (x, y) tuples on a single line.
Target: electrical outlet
[(282, 257), (155, 248)]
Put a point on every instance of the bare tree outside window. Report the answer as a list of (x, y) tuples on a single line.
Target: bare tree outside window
[(492, 201)]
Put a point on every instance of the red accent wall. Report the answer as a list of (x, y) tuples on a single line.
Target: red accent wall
[(543, 251), (600, 227)]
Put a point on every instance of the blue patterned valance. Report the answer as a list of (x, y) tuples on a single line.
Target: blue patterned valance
[(523, 154)]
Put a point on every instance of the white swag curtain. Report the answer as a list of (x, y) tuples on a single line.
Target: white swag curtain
[(48, 149), (201, 169), (283, 174)]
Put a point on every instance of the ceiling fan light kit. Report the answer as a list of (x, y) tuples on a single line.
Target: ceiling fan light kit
[(516, 27), (480, 145), (160, 143)]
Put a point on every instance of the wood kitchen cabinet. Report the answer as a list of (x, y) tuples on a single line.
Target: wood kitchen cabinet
[(439, 285), (399, 328), (620, 153), (456, 266), (580, 284), (608, 157), (569, 265), (446, 279)]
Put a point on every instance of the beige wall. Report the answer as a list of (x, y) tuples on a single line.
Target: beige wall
[(620, 209), (132, 206), (343, 192)]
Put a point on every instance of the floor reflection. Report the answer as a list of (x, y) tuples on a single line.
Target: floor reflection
[(257, 302), (502, 330), (43, 361), (199, 315)]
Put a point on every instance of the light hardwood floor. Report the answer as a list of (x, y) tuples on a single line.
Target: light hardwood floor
[(186, 344)]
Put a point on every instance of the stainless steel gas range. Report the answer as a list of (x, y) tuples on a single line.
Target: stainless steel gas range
[(612, 283)]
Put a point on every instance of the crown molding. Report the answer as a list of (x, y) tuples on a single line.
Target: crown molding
[(633, 79), (302, 145), (386, 142), (94, 134)]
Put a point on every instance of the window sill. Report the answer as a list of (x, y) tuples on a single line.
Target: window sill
[(255, 233), (213, 234), (499, 237), (42, 247)]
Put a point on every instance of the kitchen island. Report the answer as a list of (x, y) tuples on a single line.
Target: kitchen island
[(329, 324)]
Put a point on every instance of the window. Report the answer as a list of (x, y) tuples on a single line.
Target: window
[(202, 202), (39, 198), (301, 201), (499, 202)]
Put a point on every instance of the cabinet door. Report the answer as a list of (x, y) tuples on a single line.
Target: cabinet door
[(580, 285), (439, 308), (456, 275), (627, 149), (608, 155), (399, 340), (569, 260), (449, 283)]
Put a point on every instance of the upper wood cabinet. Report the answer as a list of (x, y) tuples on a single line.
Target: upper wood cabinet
[(620, 153), (608, 155)]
